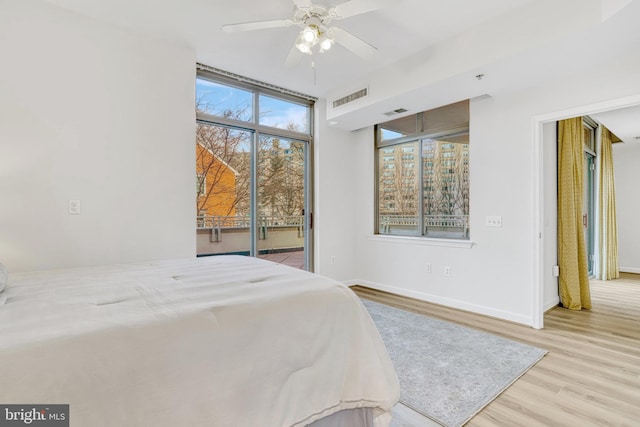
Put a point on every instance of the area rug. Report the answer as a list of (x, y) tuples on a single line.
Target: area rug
[(448, 372)]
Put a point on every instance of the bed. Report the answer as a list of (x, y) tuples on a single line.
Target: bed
[(215, 341)]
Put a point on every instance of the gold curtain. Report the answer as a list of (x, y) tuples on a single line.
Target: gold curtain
[(608, 236), (572, 253)]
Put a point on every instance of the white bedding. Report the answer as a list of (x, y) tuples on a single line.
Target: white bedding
[(218, 341)]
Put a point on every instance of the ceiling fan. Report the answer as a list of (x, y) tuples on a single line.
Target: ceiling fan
[(315, 20)]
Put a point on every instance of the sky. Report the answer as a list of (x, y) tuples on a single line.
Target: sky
[(215, 98)]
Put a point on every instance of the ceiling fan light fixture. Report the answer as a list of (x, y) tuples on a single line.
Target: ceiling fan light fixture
[(326, 44), (303, 46), (315, 31), (310, 34)]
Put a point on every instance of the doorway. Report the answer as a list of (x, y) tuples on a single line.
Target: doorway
[(543, 191), (252, 195), (282, 232)]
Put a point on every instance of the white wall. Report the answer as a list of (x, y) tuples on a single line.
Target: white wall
[(495, 276), (626, 158), (335, 213), (96, 113), (489, 277)]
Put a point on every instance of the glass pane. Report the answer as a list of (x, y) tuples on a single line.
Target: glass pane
[(446, 187), (281, 200), (224, 101), (399, 127), (398, 171), (282, 114), (588, 209), (447, 118), (223, 173), (589, 138)]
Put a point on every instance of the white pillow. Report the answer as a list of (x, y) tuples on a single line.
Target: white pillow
[(4, 277)]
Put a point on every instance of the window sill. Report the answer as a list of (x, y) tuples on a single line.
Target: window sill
[(423, 241)]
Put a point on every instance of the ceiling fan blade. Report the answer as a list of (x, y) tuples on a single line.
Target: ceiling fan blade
[(351, 42), (257, 25), (355, 7), (293, 58)]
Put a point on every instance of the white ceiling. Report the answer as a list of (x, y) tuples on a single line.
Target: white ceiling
[(624, 122), (401, 30)]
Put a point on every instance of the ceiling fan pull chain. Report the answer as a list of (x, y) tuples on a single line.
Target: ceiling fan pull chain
[(313, 67)]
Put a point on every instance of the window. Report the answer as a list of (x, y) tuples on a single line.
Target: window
[(223, 100), (284, 114), (431, 186), (398, 128), (589, 130), (227, 100), (252, 166)]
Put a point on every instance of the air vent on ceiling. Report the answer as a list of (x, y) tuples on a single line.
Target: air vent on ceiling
[(396, 111), (351, 97)]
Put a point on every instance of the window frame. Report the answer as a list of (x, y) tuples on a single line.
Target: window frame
[(379, 146), (258, 130), (254, 124)]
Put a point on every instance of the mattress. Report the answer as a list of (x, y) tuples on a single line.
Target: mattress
[(216, 341)]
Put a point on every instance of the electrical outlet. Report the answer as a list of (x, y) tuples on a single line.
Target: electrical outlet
[(447, 270), (427, 268), (493, 221), (333, 259)]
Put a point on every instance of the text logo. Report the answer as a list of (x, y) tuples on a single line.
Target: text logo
[(36, 415)]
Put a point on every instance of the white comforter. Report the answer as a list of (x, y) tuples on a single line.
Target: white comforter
[(219, 341)]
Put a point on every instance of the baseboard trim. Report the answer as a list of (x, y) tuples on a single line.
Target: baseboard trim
[(447, 302), (634, 270), (552, 303)]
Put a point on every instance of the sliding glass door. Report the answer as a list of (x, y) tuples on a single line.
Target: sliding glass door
[(588, 209), (589, 196), (282, 200)]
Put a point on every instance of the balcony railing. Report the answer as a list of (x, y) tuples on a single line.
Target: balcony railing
[(434, 225), (208, 221), (231, 234)]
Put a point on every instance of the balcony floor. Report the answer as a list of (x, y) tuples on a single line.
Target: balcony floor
[(292, 259)]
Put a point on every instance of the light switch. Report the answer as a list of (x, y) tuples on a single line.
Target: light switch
[(74, 207)]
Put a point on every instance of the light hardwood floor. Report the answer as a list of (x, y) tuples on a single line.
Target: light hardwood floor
[(590, 377)]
